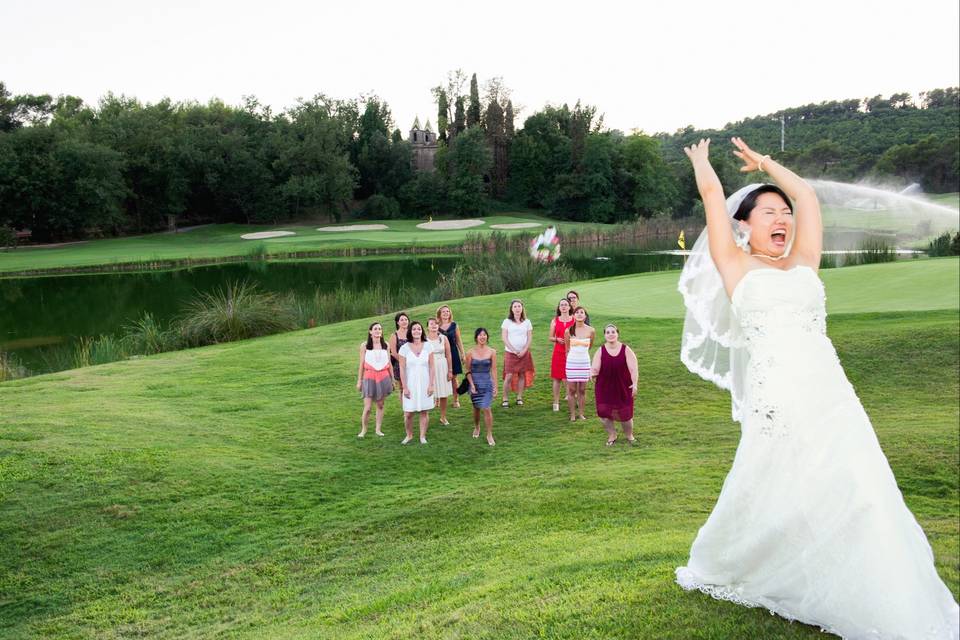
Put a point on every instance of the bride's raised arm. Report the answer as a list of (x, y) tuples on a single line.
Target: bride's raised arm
[(723, 249), (808, 224)]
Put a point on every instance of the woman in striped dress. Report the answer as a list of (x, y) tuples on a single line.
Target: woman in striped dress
[(578, 340)]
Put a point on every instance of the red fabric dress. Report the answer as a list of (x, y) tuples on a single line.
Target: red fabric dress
[(558, 365), (613, 393)]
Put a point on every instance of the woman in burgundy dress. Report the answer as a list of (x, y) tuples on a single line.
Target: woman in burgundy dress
[(558, 364), (615, 370)]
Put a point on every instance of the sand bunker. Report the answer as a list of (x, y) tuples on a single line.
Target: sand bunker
[(260, 235), (356, 227), (516, 225), (449, 224)]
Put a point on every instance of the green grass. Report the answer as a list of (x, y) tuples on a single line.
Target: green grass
[(221, 492), (222, 241), (899, 286)]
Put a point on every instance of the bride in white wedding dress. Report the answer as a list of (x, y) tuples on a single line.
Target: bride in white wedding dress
[(810, 523)]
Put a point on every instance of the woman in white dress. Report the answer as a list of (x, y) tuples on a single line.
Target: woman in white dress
[(442, 362), (418, 376), (810, 523)]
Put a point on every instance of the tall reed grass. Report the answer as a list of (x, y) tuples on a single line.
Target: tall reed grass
[(147, 336), (10, 367), (503, 271), (236, 311)]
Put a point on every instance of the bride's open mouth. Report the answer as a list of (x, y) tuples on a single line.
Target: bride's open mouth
[(779, 238)]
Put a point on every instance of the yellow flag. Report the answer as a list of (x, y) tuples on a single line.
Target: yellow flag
[(680, 240)]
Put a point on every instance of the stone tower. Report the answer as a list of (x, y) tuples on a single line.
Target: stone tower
[(424, 144)]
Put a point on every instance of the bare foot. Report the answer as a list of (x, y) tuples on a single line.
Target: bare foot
[(407, 440), (380, 433), (361, 434), (476, 432), (490, 441)]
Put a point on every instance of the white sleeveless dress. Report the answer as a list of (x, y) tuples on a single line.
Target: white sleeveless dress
[(810, 523), (418, 378)]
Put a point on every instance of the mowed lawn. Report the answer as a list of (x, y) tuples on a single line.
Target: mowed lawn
[(221, 492), (224, 240)]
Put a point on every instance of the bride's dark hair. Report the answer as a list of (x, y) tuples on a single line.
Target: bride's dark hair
[(750, 201)]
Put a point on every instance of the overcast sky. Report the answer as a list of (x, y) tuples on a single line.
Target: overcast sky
[(656, 68)]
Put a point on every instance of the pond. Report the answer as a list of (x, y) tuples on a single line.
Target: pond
[(39, 315)]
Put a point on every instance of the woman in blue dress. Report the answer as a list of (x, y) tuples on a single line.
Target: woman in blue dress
[(482, 376), (449, 328)]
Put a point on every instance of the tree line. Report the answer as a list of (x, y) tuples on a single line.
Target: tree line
[(72, 170)]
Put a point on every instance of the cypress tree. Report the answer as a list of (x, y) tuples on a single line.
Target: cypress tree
[(473, 113), (459, 119), (508, 120), (443, 109)]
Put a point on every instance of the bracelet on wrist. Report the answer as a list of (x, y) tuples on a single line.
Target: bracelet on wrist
[(760, 164)]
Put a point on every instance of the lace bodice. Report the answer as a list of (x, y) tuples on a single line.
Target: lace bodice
[(775, 305)]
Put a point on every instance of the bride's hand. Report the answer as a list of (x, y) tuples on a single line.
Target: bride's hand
[(698, 151), (751, 159)]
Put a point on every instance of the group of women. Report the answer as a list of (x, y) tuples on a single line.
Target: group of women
[(425, 364), (810, 523)]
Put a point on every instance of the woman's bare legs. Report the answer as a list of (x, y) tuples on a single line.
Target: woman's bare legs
[(582, 399), (506, 386), (556, 394), (365, 417), (611, 429), (572, 400), (488, 419), (379, 419), (424, 425)]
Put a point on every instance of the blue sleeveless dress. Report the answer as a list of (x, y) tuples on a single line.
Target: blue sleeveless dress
[(480, 374)]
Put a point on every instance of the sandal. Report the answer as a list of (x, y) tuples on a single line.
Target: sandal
[(556, 406), (610, 443), (505, 404), (476, 432), (519, 402)]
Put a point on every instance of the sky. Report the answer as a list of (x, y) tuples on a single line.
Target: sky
[(644, 65)]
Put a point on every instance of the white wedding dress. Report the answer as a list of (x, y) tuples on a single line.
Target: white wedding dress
[(810, 523)]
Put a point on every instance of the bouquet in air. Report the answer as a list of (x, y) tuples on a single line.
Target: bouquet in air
[(546, 246)]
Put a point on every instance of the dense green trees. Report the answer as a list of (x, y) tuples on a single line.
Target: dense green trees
[(70, 170)]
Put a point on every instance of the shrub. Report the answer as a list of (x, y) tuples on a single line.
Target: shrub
[(257, 252), (8, 237), (381, 207), (10, 367), (874, 250), (943, 245), (104, 349), (235, 312), (146, 336)]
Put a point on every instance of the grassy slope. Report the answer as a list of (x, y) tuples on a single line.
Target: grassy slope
[(217, 241), (221, 492), (900, 286)]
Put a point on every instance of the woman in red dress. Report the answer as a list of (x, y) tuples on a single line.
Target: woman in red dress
[(558, 364), (614, 368)]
